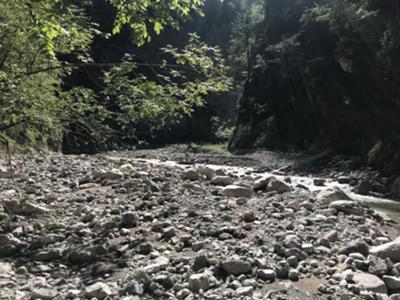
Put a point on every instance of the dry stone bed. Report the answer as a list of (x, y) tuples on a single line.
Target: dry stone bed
[(99, 227)]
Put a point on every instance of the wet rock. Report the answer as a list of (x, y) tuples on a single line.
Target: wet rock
[(388, 250), (236, 266), (364, 187), (370, 282), (237, 191)]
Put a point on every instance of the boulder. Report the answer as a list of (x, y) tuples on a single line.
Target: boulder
[(237, 191), (278, 186), (199, 282), (222, 180), (44, 294), (347, 207), (261, 183), (370, 282), (330, 195), (98, 290), (112, 174), (388, 250), (355, 246), (236, 266), (392, 283)]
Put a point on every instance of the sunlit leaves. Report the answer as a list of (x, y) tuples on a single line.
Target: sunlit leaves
[(147, 16), (180, 83)]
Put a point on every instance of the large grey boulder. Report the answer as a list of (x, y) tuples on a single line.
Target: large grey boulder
[(370, 282), (236, 266), (330, 195), (347, 207), (237, 191), (388, 250)]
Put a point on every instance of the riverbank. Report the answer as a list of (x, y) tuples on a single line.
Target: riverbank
[(128, 227)]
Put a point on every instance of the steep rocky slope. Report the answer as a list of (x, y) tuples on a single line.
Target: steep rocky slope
[(328, 73)]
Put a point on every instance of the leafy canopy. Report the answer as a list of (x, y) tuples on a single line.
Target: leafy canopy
[(38, 35)]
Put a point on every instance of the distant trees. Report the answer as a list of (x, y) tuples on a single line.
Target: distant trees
[(250, 13), (42, 42)]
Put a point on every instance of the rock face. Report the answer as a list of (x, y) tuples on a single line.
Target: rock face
[(327, 91)]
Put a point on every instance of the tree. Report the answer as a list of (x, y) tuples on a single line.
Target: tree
[(45, 40), (251, 14)]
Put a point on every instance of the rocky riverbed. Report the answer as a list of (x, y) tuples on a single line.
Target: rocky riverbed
[(117, 227)]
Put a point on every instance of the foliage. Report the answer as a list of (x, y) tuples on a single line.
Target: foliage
[(145, 16), (179, 84), (33, 33), (43, 41), (243, 38)]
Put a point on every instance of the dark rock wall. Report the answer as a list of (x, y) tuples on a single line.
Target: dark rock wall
[(333, 82)]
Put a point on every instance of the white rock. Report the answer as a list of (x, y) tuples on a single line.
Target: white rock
[(388, 250), (5, 268), (98, 290), (370, 282), (330, 195), (127, 169), (207, 172), (237, 191), (346, 206), (112, 174), (44, 294), (199, 282)]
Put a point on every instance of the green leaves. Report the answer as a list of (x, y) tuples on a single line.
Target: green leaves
[(180, 83), (36, 35), (145, 16)]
